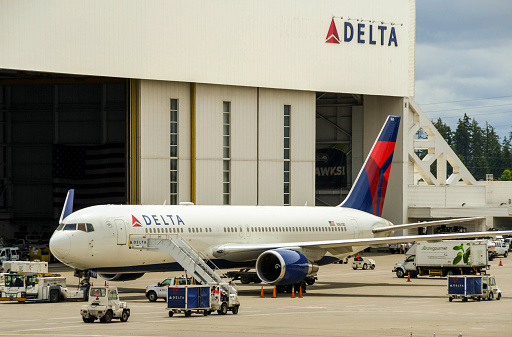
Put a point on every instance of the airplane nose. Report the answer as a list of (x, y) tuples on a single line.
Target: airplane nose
[(60, 245)]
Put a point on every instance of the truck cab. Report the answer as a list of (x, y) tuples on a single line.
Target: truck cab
[(404, 267)]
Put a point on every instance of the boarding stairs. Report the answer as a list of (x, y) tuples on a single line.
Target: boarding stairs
[(194, 262)]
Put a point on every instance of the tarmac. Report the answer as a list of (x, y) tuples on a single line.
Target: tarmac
[(342, 302)]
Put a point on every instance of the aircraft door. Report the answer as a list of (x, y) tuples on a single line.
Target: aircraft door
[(356, 229), (121, 231)]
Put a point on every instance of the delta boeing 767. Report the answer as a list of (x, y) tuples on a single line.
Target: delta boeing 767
[(285, 244)]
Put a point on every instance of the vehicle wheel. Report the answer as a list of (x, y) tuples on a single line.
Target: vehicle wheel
[(464, 299), (449, 272), (223, 309), (188, 313), (107, 318), (88, 319), (205, 313), (365, 266), (244, 279), (450, 299), (478, 299), (171, 313), (235, 309), (354, 267), (400, 273), (152, 296), (54, 295), (498, 297), (124, 316), (491, 296), (372, 266)]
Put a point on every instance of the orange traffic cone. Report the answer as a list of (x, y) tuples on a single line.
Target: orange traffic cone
[(274, 294), (501, 264), (262, 294), (293, 292), (408, 277), (300, 292)]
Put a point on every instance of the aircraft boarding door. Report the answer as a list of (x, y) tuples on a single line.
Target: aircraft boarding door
[(356, 228), (121, 232)]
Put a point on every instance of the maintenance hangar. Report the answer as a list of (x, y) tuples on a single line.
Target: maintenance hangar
[(225, 102)]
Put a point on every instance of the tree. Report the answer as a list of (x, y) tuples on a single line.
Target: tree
[(462, 139), (444, 130), (506, 176)]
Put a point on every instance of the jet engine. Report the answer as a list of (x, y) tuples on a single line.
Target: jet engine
[(283, 266), (121, 277)]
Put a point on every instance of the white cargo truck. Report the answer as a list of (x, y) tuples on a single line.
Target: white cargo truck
[(450, 257)]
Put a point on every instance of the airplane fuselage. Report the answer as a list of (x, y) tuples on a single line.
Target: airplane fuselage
[(206, 229)]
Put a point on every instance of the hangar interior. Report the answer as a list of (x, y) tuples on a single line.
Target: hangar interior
[(59, 132)]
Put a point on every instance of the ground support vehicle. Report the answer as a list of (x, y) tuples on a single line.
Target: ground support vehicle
[(244, 275), (159, 290), (27, 267), (450, 257), (9, 254), (34, 287), (497, 248), (363, 263), (474, 287), (203, 299), (104, 305)]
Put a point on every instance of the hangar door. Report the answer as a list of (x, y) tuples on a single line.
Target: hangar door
[(55, 135)]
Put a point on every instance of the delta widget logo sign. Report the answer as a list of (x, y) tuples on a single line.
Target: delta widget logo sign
[(365, 33)]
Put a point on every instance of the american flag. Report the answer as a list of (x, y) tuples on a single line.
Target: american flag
[(331, 223), (97, 173)]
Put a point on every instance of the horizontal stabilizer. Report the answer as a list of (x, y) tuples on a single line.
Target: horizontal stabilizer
[(423, 224)]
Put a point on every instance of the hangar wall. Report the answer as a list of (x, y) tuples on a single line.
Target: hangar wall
[(256, 147)]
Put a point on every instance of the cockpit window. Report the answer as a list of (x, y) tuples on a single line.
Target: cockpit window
[(70, 227), (60, 227), (81, 227), (90, 228)]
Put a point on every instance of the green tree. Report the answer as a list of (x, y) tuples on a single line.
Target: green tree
[(462, 139), (506, 176), (444, 130), (478, 161)]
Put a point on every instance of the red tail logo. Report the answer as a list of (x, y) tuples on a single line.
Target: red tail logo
[(332, 35), (135, 222)]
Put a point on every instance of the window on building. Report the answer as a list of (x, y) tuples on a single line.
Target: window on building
[(174, 152), (286, 154), (226, 153)]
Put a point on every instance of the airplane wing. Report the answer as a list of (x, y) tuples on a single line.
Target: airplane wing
[(423, 224), (333, 244)]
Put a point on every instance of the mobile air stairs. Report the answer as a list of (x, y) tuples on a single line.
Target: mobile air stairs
[(191, 260)]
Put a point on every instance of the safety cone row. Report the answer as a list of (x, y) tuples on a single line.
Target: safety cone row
[(408, 277)]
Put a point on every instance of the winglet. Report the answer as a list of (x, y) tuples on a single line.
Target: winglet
[(68, 206), (369, 190)]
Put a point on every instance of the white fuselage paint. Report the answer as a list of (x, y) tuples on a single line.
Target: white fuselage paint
[(205, 228)]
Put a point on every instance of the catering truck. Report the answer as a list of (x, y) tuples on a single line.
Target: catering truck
[(450, 257)]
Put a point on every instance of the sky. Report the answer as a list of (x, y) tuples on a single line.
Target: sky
[(464, 61)]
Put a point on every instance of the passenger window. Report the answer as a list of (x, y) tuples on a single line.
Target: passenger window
[(70, 227), (90, 228), (81, 227)]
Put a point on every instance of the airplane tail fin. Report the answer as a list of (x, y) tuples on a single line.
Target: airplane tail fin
[(68, 206), (369, 190)]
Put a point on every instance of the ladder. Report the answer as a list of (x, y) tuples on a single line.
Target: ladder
[(173, 244)]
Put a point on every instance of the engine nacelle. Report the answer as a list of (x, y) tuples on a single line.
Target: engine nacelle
[(121, 277), (283, 266)]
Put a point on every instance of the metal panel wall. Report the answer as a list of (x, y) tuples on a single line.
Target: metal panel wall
[(271, 146), (209, 135), (267, 43), (155, 140)]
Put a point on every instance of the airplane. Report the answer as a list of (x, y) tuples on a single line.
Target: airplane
[(285, 244)]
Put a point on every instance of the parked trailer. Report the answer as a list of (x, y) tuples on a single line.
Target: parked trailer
[(203, 299), (450, 257), (474, 287)]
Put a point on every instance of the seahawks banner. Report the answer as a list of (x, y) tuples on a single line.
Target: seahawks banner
[(331, 169)]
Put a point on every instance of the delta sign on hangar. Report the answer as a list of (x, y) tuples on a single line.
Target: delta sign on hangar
[(225, 102)]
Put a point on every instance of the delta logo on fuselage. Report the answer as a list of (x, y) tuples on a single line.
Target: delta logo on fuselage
[(166, 220), (370, 34)]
